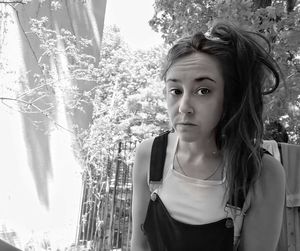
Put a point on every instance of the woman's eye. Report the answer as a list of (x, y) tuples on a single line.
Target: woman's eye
[(175, 91), (203, 91)]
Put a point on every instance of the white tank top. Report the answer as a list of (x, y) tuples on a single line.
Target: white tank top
[(190, 200), (195, 201)]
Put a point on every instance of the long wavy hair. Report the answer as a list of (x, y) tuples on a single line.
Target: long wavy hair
[(247, 66)]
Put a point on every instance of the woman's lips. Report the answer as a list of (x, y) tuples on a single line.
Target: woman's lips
[(186, 124)]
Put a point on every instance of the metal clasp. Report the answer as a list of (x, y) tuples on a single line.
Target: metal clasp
[(153, 196), (229, 223)]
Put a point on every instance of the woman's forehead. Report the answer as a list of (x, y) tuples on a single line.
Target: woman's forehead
[(196, 63)]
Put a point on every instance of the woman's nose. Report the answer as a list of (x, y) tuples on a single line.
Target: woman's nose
[(185, 105)]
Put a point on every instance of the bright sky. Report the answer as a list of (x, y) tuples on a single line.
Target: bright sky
[(132, 18)]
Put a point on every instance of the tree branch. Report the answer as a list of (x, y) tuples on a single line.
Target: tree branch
[(31, 104), (14, 1)]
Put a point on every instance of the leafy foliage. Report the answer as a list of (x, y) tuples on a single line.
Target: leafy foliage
[(274, 19), (51, 83), (129, 100), (128, 106)]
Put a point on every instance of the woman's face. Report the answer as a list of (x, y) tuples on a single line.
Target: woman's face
[(195, 92)]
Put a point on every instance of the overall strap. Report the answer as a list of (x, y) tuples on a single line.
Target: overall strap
[(158, 156)]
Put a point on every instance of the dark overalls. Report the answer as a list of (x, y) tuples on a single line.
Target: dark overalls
[(164, 233)]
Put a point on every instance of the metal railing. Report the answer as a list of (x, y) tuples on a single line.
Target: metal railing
[(105, 218)]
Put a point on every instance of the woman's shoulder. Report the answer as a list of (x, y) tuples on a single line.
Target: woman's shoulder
[(271, 180), (144, 148), (144, 151), (272, 170), (142, 158), (266, 208)]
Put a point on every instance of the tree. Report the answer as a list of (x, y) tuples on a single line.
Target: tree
[(129, 102), (59, 45), (128, 107), (59, 49), (278, 20)]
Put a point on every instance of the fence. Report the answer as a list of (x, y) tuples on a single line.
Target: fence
[(105, 218)]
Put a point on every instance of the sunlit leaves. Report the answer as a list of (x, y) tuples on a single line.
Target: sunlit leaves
[(129, 101), (176, 18)]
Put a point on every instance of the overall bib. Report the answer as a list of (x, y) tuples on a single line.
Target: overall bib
[(165, 233)]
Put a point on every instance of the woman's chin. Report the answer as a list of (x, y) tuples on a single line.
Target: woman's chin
[(187, 136)]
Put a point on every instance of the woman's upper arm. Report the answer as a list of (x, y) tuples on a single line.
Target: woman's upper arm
[(141, 195), (263, 221)]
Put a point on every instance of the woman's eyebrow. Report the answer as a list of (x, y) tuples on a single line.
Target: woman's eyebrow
[(172, 80), (200, 79)]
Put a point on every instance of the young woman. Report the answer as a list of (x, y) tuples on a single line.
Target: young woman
[(207, 184)]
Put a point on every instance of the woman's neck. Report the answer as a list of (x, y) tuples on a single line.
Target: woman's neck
[(199, 159), (201, 148)]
